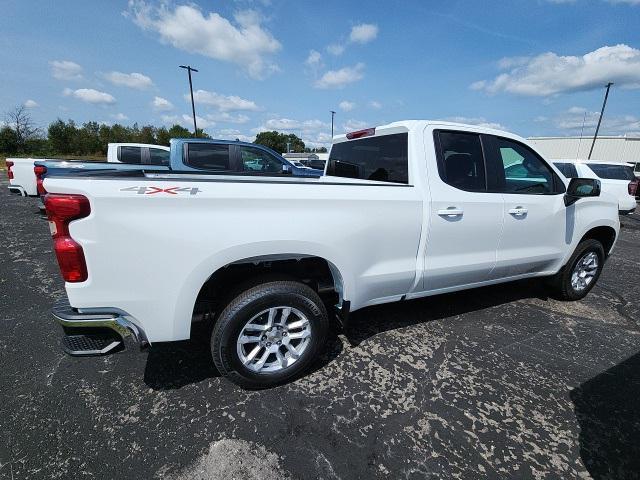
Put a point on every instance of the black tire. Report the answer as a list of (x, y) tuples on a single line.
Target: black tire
[(243, 308), (560, 283)]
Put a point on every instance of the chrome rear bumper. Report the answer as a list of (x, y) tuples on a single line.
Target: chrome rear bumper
[(98, 332)]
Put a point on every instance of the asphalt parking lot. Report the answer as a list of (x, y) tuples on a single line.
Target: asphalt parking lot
[(498, 382)]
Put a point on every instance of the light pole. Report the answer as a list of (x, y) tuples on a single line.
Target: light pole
[(193, 107), (332, 115), (604, 104)]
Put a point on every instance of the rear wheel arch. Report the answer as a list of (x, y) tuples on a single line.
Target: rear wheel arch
[(320, 274)]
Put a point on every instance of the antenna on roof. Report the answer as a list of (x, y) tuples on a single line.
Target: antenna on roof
[(581, 132)]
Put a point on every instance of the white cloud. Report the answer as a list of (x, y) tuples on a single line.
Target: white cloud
[(314, 132), (187, 120), (171, 119), (347, 106), (288, 124), (244, 41), (160, 104), (375, 104), (205, 121), (224, 103), (90, 95), (31, 104), (232, 134), (120, 117), (65, 70), (363, 33), (549, 73), (571, 120), (479, 121), (314, 59), (352, 125), (335, 49), (340, 78), (227, 117), (131, 80)]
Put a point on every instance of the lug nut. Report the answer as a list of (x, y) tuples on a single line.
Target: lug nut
[(268, 344), (284, 334), (279, 342)]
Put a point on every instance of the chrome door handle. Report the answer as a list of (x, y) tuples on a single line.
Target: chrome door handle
[(451, 212), (518, 211)]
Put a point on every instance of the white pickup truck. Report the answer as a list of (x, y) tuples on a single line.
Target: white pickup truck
[(406, 210), (24, 181)]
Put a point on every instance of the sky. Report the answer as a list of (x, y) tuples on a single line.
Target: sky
[(533, 67)]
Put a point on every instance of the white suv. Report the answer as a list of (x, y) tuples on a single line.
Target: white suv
[(616, 178)]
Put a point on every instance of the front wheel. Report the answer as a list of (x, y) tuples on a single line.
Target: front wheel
[(269, 334), (581, 272)]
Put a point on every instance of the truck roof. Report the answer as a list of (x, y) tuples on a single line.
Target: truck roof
[(407, 125), (215, 140)]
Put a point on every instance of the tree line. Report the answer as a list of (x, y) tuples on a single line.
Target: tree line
[(20, 136)]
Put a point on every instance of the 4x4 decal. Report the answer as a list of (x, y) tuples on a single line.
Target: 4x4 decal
[(144, 190)]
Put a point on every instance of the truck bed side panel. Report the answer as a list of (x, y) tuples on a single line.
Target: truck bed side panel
[(150, 244)]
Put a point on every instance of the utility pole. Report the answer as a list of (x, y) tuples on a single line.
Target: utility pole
[(604, 104), (193, 107), (332, 115)]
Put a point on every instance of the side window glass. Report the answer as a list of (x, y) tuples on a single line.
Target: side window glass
[(130, 154), (524, 171), (567, 169), (208, 156), (258, 161), (158, 156), (383, 158), (462, 162)]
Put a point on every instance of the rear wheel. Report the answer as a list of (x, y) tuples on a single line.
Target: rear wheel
[(580, 274), (269, 334)]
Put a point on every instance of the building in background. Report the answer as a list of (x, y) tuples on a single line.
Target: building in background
[(610, 149)]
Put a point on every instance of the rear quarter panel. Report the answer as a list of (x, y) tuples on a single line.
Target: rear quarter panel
[(149, 253)]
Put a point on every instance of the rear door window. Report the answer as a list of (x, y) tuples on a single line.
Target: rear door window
[(382, 158), (568, 169), (130, 154), (461, 162), (158, 156), (611, 172), (208, 156)]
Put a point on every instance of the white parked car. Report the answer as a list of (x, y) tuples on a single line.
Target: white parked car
[(406, 210), (24, 180), (617, 179)]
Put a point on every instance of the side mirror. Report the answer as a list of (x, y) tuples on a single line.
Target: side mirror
[(580, 188), (286, 169)]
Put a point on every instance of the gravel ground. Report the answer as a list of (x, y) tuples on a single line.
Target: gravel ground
[(498, 382)]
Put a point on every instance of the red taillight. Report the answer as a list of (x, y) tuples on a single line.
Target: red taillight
[(61, 210), (40, 171), (367, 132), (9, 171), (633, 187)]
